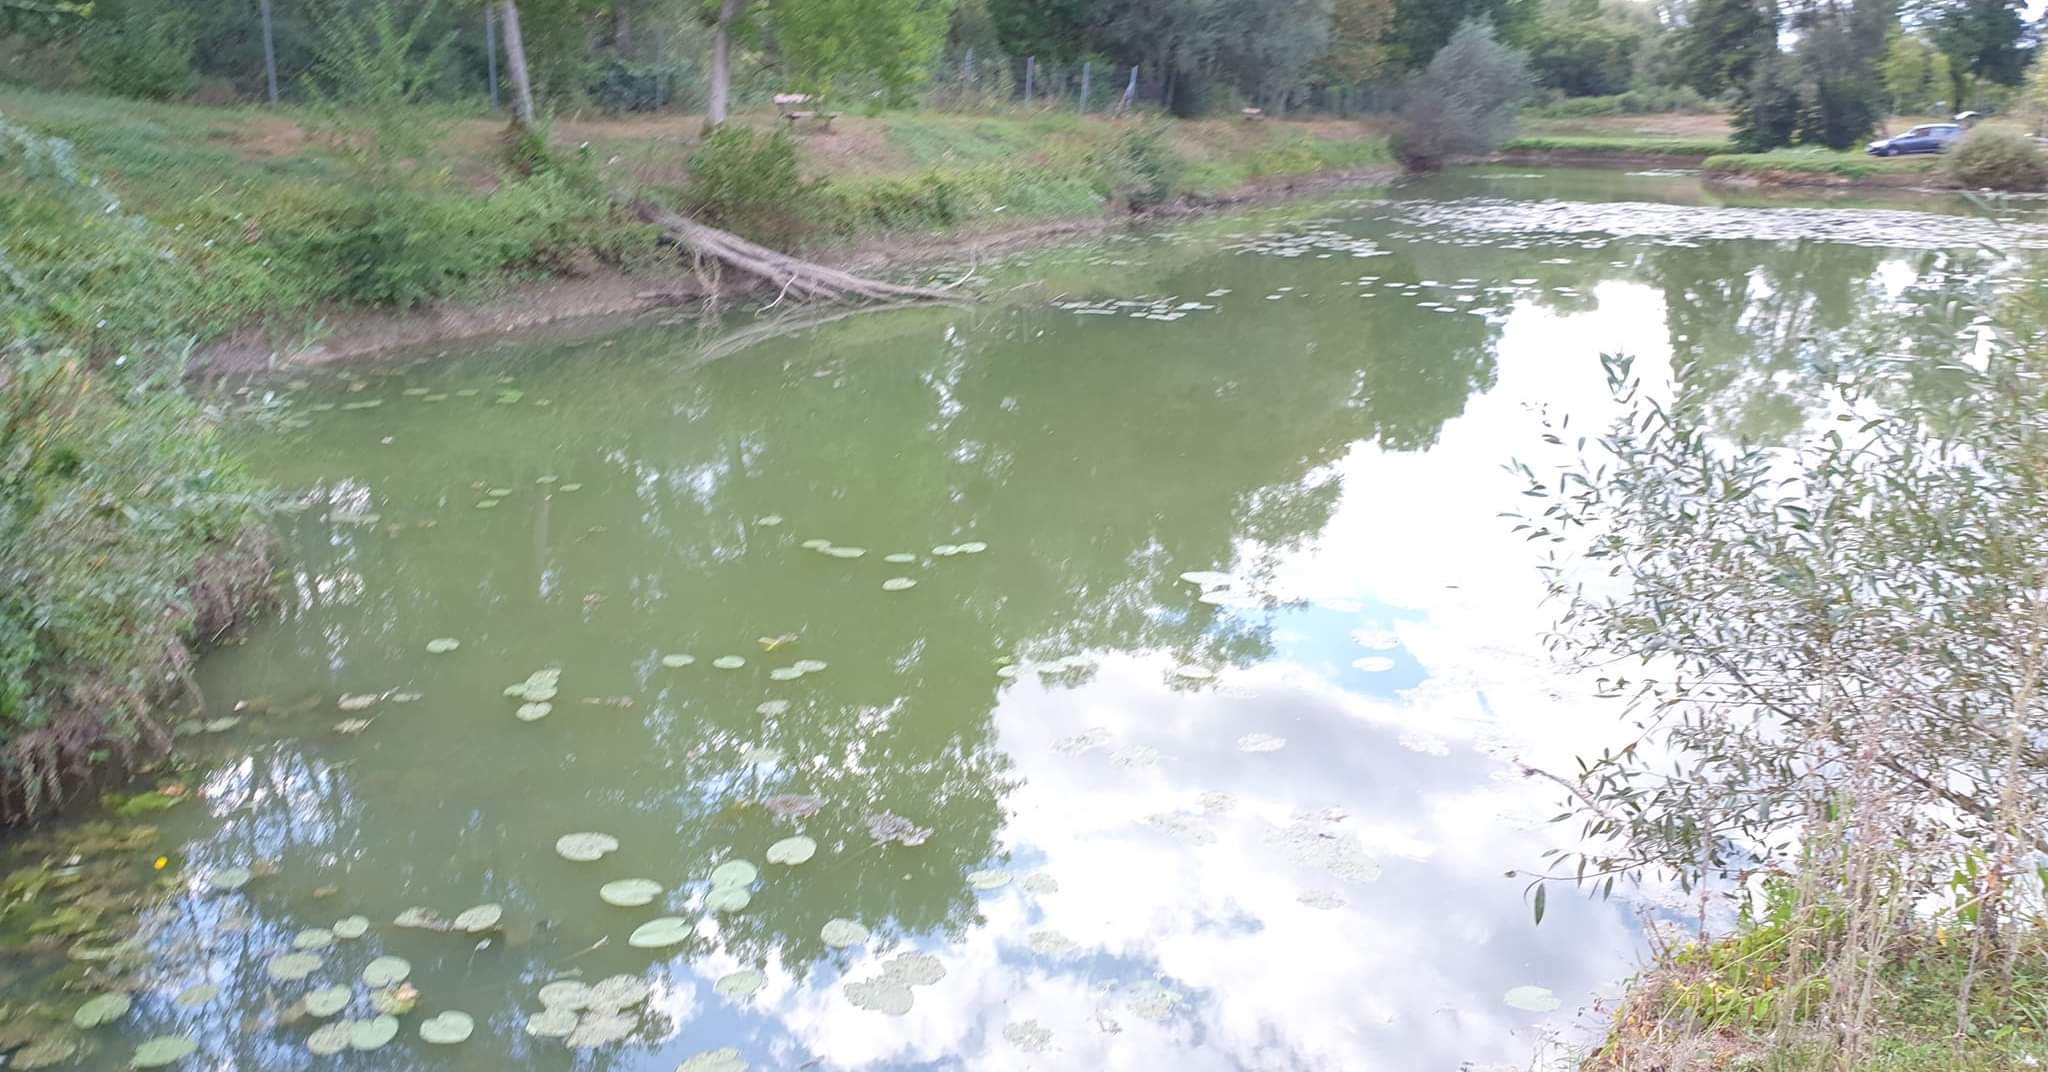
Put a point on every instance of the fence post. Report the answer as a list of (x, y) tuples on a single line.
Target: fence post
[(1030, 77), (491, 50), (1084, 86), (967, 70), (269, 53), (1130, 94)]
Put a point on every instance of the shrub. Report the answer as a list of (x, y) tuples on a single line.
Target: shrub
[(1463, 103), (144, 56), (1140, 168), (748, 183), (634, 87), (1998, 159)]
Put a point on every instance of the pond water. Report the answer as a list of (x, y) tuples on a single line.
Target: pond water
[(1082, 810)]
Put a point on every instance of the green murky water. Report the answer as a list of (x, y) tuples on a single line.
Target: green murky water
[(1084, 812)]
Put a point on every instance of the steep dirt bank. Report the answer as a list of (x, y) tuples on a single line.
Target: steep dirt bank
[(352, 335)]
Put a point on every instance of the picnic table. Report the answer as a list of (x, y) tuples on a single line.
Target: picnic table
[(790, 106)]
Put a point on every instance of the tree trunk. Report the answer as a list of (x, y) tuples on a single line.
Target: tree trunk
[(269, 52), (515, 61), (721, 63), (622, 26)]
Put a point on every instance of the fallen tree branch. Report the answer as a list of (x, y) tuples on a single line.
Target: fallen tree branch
[(793, 277)]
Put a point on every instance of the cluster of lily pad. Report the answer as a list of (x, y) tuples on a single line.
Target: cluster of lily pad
[(537, 694), (589, 1015)]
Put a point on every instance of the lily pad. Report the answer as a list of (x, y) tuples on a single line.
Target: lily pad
[(785, 673), (734, 873), (442, 645), (773, 708), (330, 1039), (160, 1052), (740, 985), (230, 878), (846, 552), (660, 933), (361, 701), (724, 1059), (900, 558), (878, 995), (809, 666), (842, 933), (479, 919), (1532, 999), (973, 547), (447, 1028), (1207, 579), (629, 892), (292, 967), (1193, 673), (601, 1029), (815, 544), (351, 928), (196, 995), (1027, 1035), (946, 550), (1041, 883), (898, 584), (104, 1009), (768, 521), (369, 1035), (313, 938), (327, 1001), (678, 661), (1153, 1001), (533, 712), (729, 662), (792, 851), (619, 992), (565, 994), (586, 847), (387, 971), (988, 880), (759, 756), (45, 1052), (552, 1023), (728, 899)]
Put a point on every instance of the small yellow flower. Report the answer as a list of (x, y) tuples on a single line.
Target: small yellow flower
[(161, 863)]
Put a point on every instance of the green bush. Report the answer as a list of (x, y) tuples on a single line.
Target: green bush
[(408, 246), (1140, 168), (1996, 158), (149, 57), (748, 183)]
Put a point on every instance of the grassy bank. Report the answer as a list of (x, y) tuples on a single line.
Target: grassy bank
[(269, 217), (1824, 165), (1742, 1002), (1617, 145)]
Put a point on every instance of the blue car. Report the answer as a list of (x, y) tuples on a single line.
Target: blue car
[(1932, 138)]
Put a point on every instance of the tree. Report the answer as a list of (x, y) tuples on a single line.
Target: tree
[(1839, 55), (1908, 73), (1984, 39), (1048, 29), (1464, 102), (1421, 28), (822, 40), (515, 61), (1726, 41), (1582, 55), (1358, 39)]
